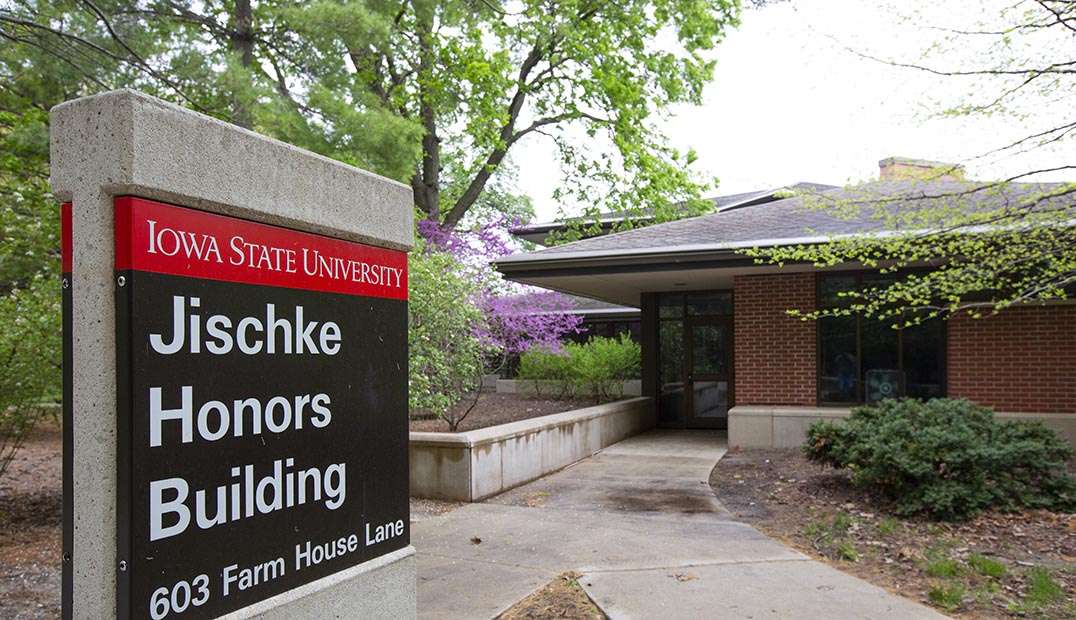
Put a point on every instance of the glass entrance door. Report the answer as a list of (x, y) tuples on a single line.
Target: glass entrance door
[(695, 359), (708, 372)]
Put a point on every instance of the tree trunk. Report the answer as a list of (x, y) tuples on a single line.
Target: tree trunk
[(243, 44), (427, 181)]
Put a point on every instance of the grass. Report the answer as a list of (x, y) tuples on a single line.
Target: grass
[(945, 568), (939, 564), (986, 566), (847, 551), (1042, 589), (887, 527), (948, 596), (826, 530), (831, 531)]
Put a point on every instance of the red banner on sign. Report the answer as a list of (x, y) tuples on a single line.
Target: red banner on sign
[(65, 237), (160, 238)]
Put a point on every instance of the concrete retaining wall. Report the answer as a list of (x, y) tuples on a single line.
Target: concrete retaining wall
[(784, 427), (478, 464)]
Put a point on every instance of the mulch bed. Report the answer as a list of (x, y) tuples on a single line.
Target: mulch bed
[(493, 409), (991, 567), (562, 599)]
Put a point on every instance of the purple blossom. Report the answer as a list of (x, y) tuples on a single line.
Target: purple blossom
[(518, 318), (534, 319)]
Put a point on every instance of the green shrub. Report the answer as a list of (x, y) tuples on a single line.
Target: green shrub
[(947, 458), (604, 364), (598, 368), (445, 359), (551, 371), (30, 354)]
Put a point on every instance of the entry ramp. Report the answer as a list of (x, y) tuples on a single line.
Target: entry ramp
[(641, 524)]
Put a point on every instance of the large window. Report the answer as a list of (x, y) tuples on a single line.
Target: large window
[(865, 360)]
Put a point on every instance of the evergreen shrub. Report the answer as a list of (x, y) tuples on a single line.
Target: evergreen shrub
[(948, 459)]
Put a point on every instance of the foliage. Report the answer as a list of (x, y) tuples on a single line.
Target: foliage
[(986, 566), (30, 325), (989, 245), (29, 360), (435, 94), (948, 596), (947, 458), (487, 320), (445, 357), (598, 368), (552, 370)]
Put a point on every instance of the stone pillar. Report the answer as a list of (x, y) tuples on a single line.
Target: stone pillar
[(124, 143)]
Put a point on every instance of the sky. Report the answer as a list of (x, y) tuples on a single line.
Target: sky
[(790, 102)]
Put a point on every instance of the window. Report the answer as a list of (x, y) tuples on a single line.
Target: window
[(864, 360)]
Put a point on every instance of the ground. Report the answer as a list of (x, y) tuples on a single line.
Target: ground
[(993, 567), (562, 599), (31, 507)]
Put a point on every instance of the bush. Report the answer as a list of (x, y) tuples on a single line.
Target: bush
[(445, 358), (30, 354), (550, 371), (948, 459), (604, 364), (598, 368)]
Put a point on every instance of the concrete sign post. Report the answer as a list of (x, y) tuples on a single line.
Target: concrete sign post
[(236, 378)]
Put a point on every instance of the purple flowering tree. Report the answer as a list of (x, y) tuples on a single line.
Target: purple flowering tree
[(511, 318)]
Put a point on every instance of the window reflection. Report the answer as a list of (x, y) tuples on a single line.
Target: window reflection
[(862, 359)]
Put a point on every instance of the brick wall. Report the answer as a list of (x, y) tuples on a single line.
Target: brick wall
[(775, 354), (1022, 360)]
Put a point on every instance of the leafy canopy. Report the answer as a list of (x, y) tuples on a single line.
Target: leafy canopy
[(434, 94), (990, 245), (947, 246), (30, 325)]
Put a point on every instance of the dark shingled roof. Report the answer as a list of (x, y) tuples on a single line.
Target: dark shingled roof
[(538, 232), (790, 221)]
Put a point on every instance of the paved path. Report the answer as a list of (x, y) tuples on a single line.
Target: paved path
[(640, 522)]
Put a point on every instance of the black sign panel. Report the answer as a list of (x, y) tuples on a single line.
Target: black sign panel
[(263, 412)]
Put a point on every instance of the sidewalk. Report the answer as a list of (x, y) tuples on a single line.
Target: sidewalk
[(640, 522)]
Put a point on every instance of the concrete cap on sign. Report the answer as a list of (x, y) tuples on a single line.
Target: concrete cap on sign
[(132, 144)]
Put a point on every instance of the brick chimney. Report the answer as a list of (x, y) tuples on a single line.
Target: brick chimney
[(905, 169)]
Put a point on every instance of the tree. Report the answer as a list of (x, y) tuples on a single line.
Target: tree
[(444, 356), (989, 245), (465, 321), (435, 94), (30, 326)]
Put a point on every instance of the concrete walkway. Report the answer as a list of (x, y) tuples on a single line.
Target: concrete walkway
[(640, 522)]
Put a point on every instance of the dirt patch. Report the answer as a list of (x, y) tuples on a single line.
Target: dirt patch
[(562, 599), (994, 567), (493, 409), (31, 510)]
